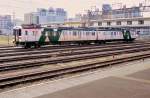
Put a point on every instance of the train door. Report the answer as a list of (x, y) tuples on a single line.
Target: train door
[(55, 36), (26, 36), (17, 34), (42, 38), (51, 35), (127, 35)]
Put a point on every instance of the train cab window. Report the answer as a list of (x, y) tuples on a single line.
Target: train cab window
[(14, 32), (17, 32), (26, 32)]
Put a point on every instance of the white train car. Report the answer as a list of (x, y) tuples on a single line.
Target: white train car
[(36, 36)]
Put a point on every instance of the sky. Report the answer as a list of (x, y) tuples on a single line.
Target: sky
[(19, 7)]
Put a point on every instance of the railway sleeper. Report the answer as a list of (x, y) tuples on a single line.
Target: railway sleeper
[(59, 72)]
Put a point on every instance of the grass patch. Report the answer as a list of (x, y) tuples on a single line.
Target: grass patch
[(5, 40)]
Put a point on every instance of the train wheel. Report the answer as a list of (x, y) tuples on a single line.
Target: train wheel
[(27, 46), (38, 46)]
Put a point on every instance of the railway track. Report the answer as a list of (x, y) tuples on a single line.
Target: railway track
[(11, 80), (19, 60), (27, 53), (68, 58), (64, 52), (18, 50)]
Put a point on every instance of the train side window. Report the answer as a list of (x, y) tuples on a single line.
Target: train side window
[(36, 32), (114, 33), (93, 33), (26, 32), (111, 33), (82, 33), (87, 33), (74, 33), (79, 33), (33, 33), (118, 33), (104, 33), (68, 32)]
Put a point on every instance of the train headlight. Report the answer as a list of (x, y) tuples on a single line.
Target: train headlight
[(19, 38)]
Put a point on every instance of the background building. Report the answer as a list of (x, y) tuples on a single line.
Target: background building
[(136, 17), (6, 24), (31, 18), (74, 22), (122, 12), (46, 16)]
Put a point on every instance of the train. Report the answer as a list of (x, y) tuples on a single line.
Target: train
[(36, 36)]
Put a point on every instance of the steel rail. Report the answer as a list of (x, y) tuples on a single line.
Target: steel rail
[(63, 59), (65, 53), (35, 76)]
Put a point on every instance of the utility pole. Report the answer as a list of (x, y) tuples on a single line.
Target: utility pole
[(14, 23), (11, 24), (89, 16)]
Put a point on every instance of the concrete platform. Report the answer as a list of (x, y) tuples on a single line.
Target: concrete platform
[(130, 80), (145, 74), (135, 85), (111, 87)]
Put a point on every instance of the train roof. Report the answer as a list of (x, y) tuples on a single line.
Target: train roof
[(86, 29), (17, 27), (31, 26), (68, 28)]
